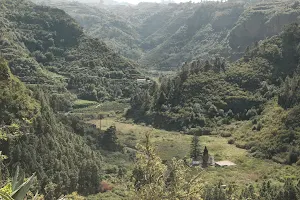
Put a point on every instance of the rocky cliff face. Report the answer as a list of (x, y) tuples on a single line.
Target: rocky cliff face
[(261, 21), (164, 36)]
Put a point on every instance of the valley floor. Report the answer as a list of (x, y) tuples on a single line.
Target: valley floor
[(175, 144)]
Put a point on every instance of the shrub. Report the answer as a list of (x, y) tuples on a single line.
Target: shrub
[(226, 121), (212, 111), (49, 56), (230, 113), (240, 145), (292, 120), (112, 170), (104, 186), (251, 113), (231, 141), (206, 131), (295, 5), (195, 131), (259, 126), (225, 134), (292, 157)]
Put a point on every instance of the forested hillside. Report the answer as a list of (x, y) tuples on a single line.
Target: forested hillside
[(45, 45), (262, 87), (163, 36), (42, 142), (76, 110), (47, 62)]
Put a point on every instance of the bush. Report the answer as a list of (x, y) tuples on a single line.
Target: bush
[(226, 121), (212, 111), (206, 131), (259, 126), (231, 141), (296, 5), (104, 186), (251, 113), (240, 145), (230, 113), (225, 134), (293, 118), (292, 157), (49, 56), (195, 131), (112, 170), (254, 121), (39, 56)]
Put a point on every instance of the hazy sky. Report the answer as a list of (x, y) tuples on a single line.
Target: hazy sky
[(158, 1), (137, 1)]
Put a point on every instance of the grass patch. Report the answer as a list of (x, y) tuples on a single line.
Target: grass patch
[(173, 144), (80, 103), (85, 107)]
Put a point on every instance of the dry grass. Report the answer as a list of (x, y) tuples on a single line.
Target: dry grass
[(174, 144)]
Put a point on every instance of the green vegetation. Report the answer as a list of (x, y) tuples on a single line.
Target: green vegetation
[(63, 97), (38, 142), (17, 189), (48, 47), (195, 148), (206, 97), (155, 180), (83, 103), (163, 36)]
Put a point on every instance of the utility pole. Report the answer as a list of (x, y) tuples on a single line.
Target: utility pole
[(100, 118)]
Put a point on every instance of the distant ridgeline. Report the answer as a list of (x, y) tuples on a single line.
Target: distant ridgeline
[(163, 36), (45, 61), (262, 90)]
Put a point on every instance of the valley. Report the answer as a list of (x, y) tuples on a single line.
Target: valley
[(163, 36), (169, 144), (117, 101)]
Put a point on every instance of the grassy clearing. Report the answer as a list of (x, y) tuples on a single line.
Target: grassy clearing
[(174, 144), (94, 108), (80, 103)]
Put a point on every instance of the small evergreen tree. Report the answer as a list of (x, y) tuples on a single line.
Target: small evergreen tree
[(205, 157), (161, 100), (195, 148), (89, 179), (152, 179), (110, 139)]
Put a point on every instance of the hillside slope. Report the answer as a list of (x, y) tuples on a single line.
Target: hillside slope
[(163, 36), (46, 62), (45, 45), (42, 142), (259, 93)]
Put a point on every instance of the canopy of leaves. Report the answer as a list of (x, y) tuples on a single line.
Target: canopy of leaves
[(46, 46)]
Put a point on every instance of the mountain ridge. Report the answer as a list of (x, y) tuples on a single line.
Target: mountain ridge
[(163, 36)]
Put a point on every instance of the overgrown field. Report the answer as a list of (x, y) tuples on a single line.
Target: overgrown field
[(174, 144)]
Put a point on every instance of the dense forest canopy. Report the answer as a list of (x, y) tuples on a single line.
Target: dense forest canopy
[(46, 63), (45, 45)]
